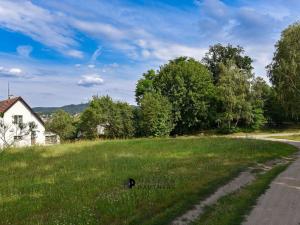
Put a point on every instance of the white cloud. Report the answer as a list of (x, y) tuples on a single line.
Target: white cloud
[(98, 29), (40, 24), (254, 25), (171, 51), (90, 80), (24, 50), (15, 71), (75, 53), (56, 30), (91, 66), (10, 72), (96, 54), (42, 83), (163, 51)]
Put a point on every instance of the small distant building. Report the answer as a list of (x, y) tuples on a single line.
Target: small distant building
[(100, 129), (51, 138), (19, 124)]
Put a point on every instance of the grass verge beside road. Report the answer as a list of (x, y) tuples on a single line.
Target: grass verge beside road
[(233, 208)]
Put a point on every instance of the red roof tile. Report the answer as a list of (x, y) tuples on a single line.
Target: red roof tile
[(6, 104)]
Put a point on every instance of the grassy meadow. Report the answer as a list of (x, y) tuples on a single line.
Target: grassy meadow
[(83, 183)]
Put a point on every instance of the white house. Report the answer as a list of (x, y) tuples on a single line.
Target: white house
[(19, 124)]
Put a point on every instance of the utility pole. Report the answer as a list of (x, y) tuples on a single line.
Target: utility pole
[(8, 91)]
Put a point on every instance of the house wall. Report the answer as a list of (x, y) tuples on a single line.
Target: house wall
[(100, 129), (20, 109)]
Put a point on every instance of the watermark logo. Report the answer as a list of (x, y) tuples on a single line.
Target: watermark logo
[(150, 183), (130, 183)]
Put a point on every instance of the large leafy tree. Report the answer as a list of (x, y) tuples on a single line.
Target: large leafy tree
[(156, 115), (219, 54), (260, 94), (188, 86), (233, 92), (115, 117), (273, 110), (97, 113), (89, 119), (260, 91), (120, 121), (284, 71), (144, 85), (62, 123)]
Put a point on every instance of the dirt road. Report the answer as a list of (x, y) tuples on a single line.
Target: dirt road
[(280, 205)]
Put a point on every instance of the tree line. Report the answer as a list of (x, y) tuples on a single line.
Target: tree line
[(185, 95)]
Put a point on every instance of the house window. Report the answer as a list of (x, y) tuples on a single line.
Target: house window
[(17, 138), (18, 119)]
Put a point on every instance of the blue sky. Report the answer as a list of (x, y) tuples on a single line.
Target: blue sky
[(62, 52)]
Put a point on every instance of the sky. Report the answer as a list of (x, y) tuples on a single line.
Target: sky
[(55, 52)]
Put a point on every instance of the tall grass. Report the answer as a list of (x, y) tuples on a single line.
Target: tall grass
[(83, 183)]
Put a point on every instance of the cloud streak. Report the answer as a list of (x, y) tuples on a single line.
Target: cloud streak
[(96, 54), (40, 24), (24, 50)]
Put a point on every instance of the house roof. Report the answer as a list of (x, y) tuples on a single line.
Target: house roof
[(7, 104)]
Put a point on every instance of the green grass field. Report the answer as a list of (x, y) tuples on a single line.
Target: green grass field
[(82, 183)]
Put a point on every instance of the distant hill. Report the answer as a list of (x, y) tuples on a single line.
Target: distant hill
[(72, 109)]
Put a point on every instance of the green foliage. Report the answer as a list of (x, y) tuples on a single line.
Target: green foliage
[(260, 93), (185, 96), (258, 120), (233, 93), (156, 115), (61, 123), (88, 123), (241, 99), (219, 54), (115, 117), (273, 110), (145, 85), (120, 121), (188, 86), (237, 99), (284, 71), (137, 115)]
